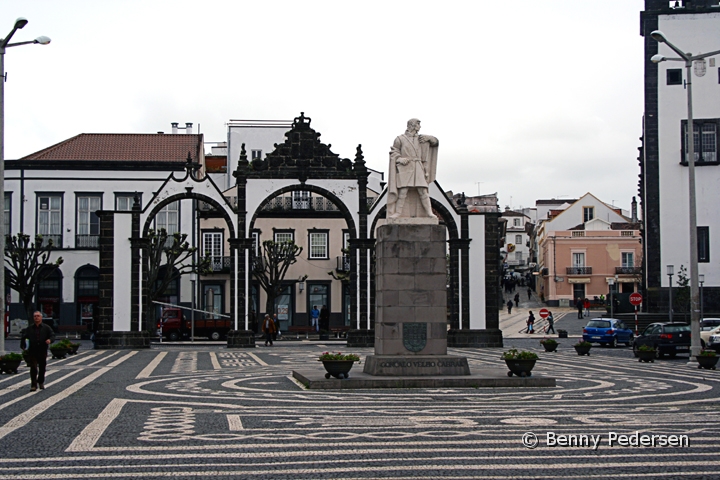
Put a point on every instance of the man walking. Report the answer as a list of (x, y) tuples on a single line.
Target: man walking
[(509, 306), (551, 323), (268, 327), (34, 342)]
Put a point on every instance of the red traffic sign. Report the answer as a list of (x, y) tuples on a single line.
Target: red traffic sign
[(544, 312), (635, 299)]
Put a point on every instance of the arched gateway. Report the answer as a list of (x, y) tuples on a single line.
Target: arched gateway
[(301, 169)]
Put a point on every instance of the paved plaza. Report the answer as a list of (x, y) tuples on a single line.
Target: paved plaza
[(203, 412)]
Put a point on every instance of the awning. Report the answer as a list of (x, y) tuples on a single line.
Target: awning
[(578, 280)]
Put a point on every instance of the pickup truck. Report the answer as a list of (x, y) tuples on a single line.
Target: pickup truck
[(175, 326)]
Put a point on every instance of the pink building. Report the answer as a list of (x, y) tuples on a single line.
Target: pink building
[(584, 249)]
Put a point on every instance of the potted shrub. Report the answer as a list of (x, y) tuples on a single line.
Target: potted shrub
[(59, 350), (562, 333), (338, 365), (645, 353), (10, 362), (583, 347), (707, 359), (520, 362), (550, 344), (324, 335)]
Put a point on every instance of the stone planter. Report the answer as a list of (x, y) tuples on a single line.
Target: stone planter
[(59, 352), (74, 347), (562, 334), (583, 350), (550, 347), (707, 362), (337, 368), (324, 336), (521, 368), (647, 356), (9, 366)]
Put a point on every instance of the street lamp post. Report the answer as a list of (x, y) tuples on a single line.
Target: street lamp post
[(701, 279), (611, 284), (5, 43), (670, 272), (688, 58)]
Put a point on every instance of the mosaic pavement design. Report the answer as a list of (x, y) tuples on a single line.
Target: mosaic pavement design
[(238, 414)]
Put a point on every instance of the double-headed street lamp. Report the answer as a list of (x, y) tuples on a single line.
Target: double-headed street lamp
[(5, 43), (688, 58)]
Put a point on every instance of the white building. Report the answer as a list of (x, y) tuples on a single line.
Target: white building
[(693, 27)]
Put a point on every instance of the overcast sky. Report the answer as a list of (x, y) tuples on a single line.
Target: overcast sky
[(525, 97)]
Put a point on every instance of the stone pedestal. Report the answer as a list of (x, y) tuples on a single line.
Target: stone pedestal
[(411, 298)]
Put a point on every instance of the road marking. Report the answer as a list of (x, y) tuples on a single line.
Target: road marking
[(147, 371)]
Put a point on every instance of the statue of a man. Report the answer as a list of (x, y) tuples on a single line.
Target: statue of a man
[(413, 162)]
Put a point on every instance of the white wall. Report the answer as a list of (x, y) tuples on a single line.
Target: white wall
[(691, 33)]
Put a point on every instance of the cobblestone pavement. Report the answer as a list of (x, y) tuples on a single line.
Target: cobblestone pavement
[(212, 412)]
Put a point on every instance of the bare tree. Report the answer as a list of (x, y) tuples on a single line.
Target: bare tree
[(28, 265), (270, 268), (169, 257)]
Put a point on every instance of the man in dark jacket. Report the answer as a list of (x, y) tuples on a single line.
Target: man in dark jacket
[(34, 342)]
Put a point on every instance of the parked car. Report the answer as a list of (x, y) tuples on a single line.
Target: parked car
[(705, 334), (666, 338), (607, 331), (707, 324), (713, 340)]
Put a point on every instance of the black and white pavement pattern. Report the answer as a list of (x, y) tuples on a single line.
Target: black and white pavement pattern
[(217, 413)]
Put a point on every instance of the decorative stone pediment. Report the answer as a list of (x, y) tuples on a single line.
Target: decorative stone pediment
[(302, 156)]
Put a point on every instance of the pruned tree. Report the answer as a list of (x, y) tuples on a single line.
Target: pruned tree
[(682, 297), (270, 268), (28, 264), (169, 257)]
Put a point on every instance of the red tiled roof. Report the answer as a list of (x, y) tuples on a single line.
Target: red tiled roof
[(124, 147)]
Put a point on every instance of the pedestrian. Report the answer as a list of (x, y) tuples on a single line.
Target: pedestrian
[(325, 318), (509, 306), (34, 343), (268, 327), (277, 327), (551, 323), (579, 305), (315, 317), (586, 305), (530, 323), (529, 293), (517, 300)]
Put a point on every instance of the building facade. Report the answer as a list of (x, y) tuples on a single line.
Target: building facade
[(692, 26)]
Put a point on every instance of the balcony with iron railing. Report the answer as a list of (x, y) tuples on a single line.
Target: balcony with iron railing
[(628, 270), (84, 241), (220, 264), (578, 270)]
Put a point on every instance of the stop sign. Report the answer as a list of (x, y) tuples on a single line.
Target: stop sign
[(544, 312), (635, 299)]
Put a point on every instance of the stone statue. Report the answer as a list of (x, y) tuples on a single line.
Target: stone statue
[(413, 162)]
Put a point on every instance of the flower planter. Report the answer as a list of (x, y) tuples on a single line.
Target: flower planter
[(74, 348), (550, 347), (59, 352), (562, 334), (521, 368), (9, 366), (337, 368), (582, 349), (647, 356), (324, 336), (707, 362)]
